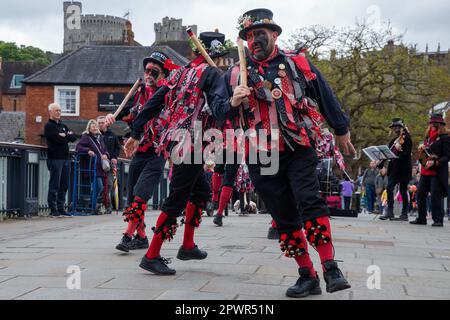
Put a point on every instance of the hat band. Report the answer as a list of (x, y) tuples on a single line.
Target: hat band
[(248, 21)]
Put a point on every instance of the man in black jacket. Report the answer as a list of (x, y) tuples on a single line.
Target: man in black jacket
[(113, 146), (399, 170), (58, 137)]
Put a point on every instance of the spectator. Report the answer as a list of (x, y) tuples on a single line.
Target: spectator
[(58, 137), (347, 192), (92, 143), (113, 146), (368, 182), (381, 183)]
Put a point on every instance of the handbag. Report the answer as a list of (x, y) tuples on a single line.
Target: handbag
[(106, 165)]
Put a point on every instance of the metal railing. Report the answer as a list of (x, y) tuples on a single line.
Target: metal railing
[(24, 181)]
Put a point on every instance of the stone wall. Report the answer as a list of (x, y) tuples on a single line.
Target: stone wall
[(12, 126)]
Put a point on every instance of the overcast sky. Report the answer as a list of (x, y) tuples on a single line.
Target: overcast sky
[(40, 23)]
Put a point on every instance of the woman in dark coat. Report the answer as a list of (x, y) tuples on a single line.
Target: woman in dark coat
[(434, 174), (92, 144)]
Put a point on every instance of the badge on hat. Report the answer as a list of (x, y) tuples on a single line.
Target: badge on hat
[(277, 93)]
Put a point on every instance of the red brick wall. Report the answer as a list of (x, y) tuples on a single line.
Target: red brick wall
[(39, 97), (8, 103)]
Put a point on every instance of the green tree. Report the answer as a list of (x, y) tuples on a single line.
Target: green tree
[(376, 78), (9, 51)]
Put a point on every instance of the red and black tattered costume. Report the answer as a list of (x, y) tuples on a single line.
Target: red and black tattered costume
[(181, 106), (287, 90)]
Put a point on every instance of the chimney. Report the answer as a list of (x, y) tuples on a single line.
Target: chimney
[(439, 48)]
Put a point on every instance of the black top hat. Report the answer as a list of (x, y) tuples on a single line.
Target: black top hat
[(214, 43), (257, 18), (397, 122), (159, 58), (437, 118)]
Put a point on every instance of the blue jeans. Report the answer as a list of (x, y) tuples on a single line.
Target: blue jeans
[(370, 195), (58, 184), (98, 196)]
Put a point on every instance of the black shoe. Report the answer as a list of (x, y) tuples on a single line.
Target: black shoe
[(403, 217), (157, 266), (388, 215), (218, 220), (334, 278), (64, 213), (437, 224), (54, 213), (124, 243), (108, 211), (419, 222), (138, 243), (273, 234), (191, 254), (305, 285)]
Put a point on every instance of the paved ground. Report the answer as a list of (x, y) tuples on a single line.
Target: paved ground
[(242, 263)]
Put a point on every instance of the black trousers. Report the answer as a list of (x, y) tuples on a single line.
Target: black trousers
[(430, 184), (292, 195), (392, 182), (188, 184), (144, 175), (59, 181)]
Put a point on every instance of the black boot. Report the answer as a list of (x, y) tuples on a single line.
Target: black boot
[(305, 285), (419, 222), (54, 213), (334, 278), (157, 266), (124, 243), (403, 217), (437, 224), (273, 234), (218, 220), (191, 254), (389, 214), (138, 243)]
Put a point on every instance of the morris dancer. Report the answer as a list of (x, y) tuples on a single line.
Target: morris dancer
[(146, 166), (280, 93), (182, 101)]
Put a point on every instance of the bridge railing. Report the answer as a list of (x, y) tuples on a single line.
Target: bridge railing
[(24, 181)]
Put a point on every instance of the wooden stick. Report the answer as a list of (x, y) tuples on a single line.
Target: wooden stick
[(242, 62), (200, 47), (128, 97)]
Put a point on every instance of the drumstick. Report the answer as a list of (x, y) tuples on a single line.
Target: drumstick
[(200, 47), (242, 62), (128, 97)]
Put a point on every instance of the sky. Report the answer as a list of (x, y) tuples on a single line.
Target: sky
[(40, 22)]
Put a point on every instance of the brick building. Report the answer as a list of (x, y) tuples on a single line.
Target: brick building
[(90, 81), (12, 91)]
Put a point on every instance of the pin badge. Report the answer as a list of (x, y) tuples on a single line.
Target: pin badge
[(268, 85), (282, 73), (281, 66), (277, 81), (276, 94)]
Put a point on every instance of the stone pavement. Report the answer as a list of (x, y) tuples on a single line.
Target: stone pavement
[(242, 264)]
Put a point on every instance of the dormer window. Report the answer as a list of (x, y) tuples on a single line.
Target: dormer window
[(16, 81)]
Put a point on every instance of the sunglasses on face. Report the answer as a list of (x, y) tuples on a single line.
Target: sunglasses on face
[(153, 72)]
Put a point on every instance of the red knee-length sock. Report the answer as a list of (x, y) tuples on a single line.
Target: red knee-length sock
[(274, 224), (225, 196), (157, 241), (131, 228), (304, 260), (189, 229), (141, 229), (216, 183), (326, 251)]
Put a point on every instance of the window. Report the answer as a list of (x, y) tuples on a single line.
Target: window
[(16, 82), (69, 100)]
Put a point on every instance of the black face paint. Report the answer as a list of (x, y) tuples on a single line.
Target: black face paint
[(259, 44)]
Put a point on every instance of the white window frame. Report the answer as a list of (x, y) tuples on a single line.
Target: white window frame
[(13, 81), (77, 99)]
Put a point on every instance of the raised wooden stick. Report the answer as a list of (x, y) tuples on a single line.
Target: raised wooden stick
[(200, 47), (128, 97), (242, 62)]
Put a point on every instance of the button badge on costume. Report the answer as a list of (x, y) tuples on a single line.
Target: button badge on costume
[(268, 85), (277, 94), (277, 81), (282, 66), (282, 74)]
